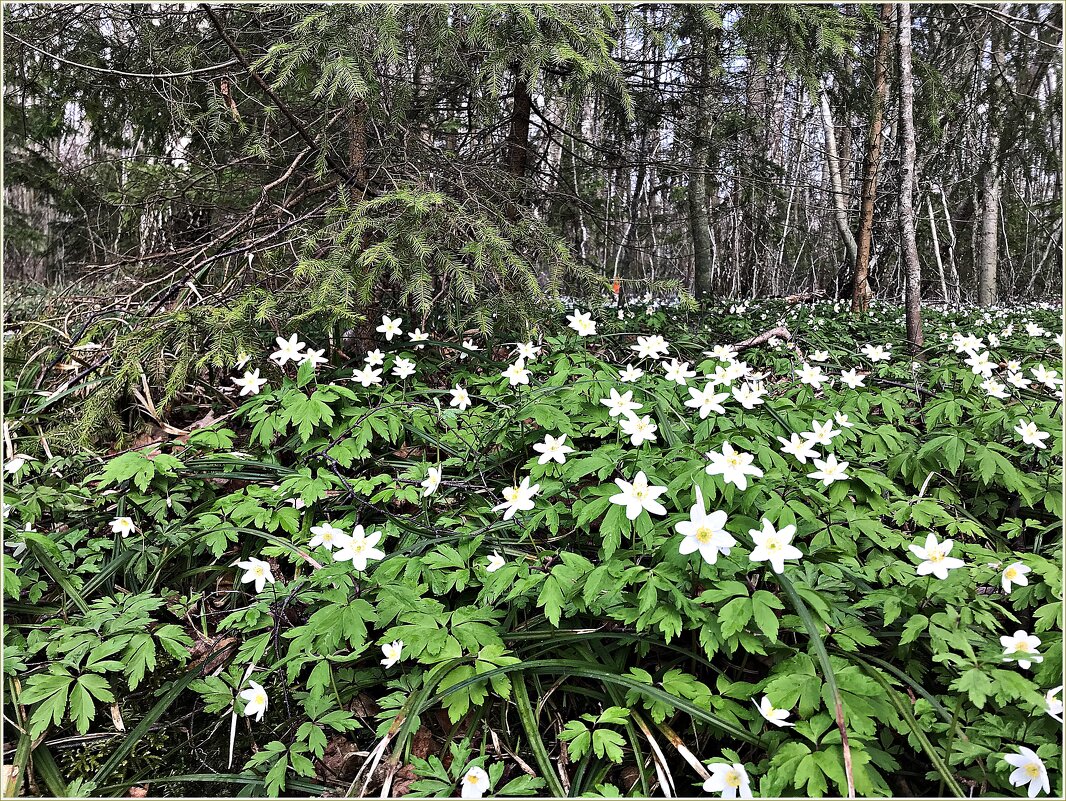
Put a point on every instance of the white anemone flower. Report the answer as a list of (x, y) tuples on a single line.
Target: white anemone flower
[(935, 559), (639, 496), (705, 532), (733, 466), (255, 700), (729, 780), (1028, 769), (475, 783), (773, 716)]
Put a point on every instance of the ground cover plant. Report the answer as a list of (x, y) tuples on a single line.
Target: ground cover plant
[(756, 549)]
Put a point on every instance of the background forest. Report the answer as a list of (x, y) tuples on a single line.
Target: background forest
[(739, 150)]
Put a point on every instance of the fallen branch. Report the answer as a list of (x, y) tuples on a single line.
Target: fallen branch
[(780, 332)]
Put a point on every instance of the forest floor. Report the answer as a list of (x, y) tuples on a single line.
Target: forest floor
[(627, 555)]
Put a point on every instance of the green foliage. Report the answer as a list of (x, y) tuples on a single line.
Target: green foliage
[(595, 628)]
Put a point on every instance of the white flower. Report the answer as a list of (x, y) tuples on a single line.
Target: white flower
[(620, 404), (496, 561), (469, 345), (725, 353), (255, 700), (1013, 366), (418, 336), (650, 347), (1018, 380), (14, 464), (799, 447), (706, 400), (527, 350), (935, 559), (516, 373), (966, 344), (389, 327), (749, 394), (1015, 574), (829, 470), (842, 420), (639, 496), (773, 546), (123, 526), (678, 372), (1028, 769), (402, 368), (552, 449), (733, 466), (7, 507), (776, 717), (877, 353), (360, 549), (853, 379), (820, 356), (475, 783), (705, 532), (631, 373), (582, 322), (460, 398), (1034, 330), (375, 358), (639, 429), (256, 570), (367, 376), (729, 780), (811, 375), (1048, 378), (328, 535), (251, 383), (392, 651), (821, 433), (1054, 705), (314, 356), (242, 360), (1030, 434), (289, 350), (1023, 647), (518, 498), (980, 364), (431, 481)]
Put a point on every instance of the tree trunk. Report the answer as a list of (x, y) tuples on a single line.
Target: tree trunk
[(912, 268), (698, 213), (860, 300), (990, 182), (833, 162), (518, 138)]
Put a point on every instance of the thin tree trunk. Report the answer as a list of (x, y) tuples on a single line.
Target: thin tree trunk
[(990, 182), (913, 274), (860, 299), (936, 250), (833, 162), (698, 213)]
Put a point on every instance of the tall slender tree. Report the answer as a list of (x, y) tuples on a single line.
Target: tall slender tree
[(908, 235)]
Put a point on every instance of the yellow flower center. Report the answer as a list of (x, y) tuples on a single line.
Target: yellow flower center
[(1032, 770), (640, 494), (260, 698), (733, 461), (704, 534), (258, 570), (359, 546), (1011, 573), (473, 778), (1022, 646), (732, 778), (936, 556)]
